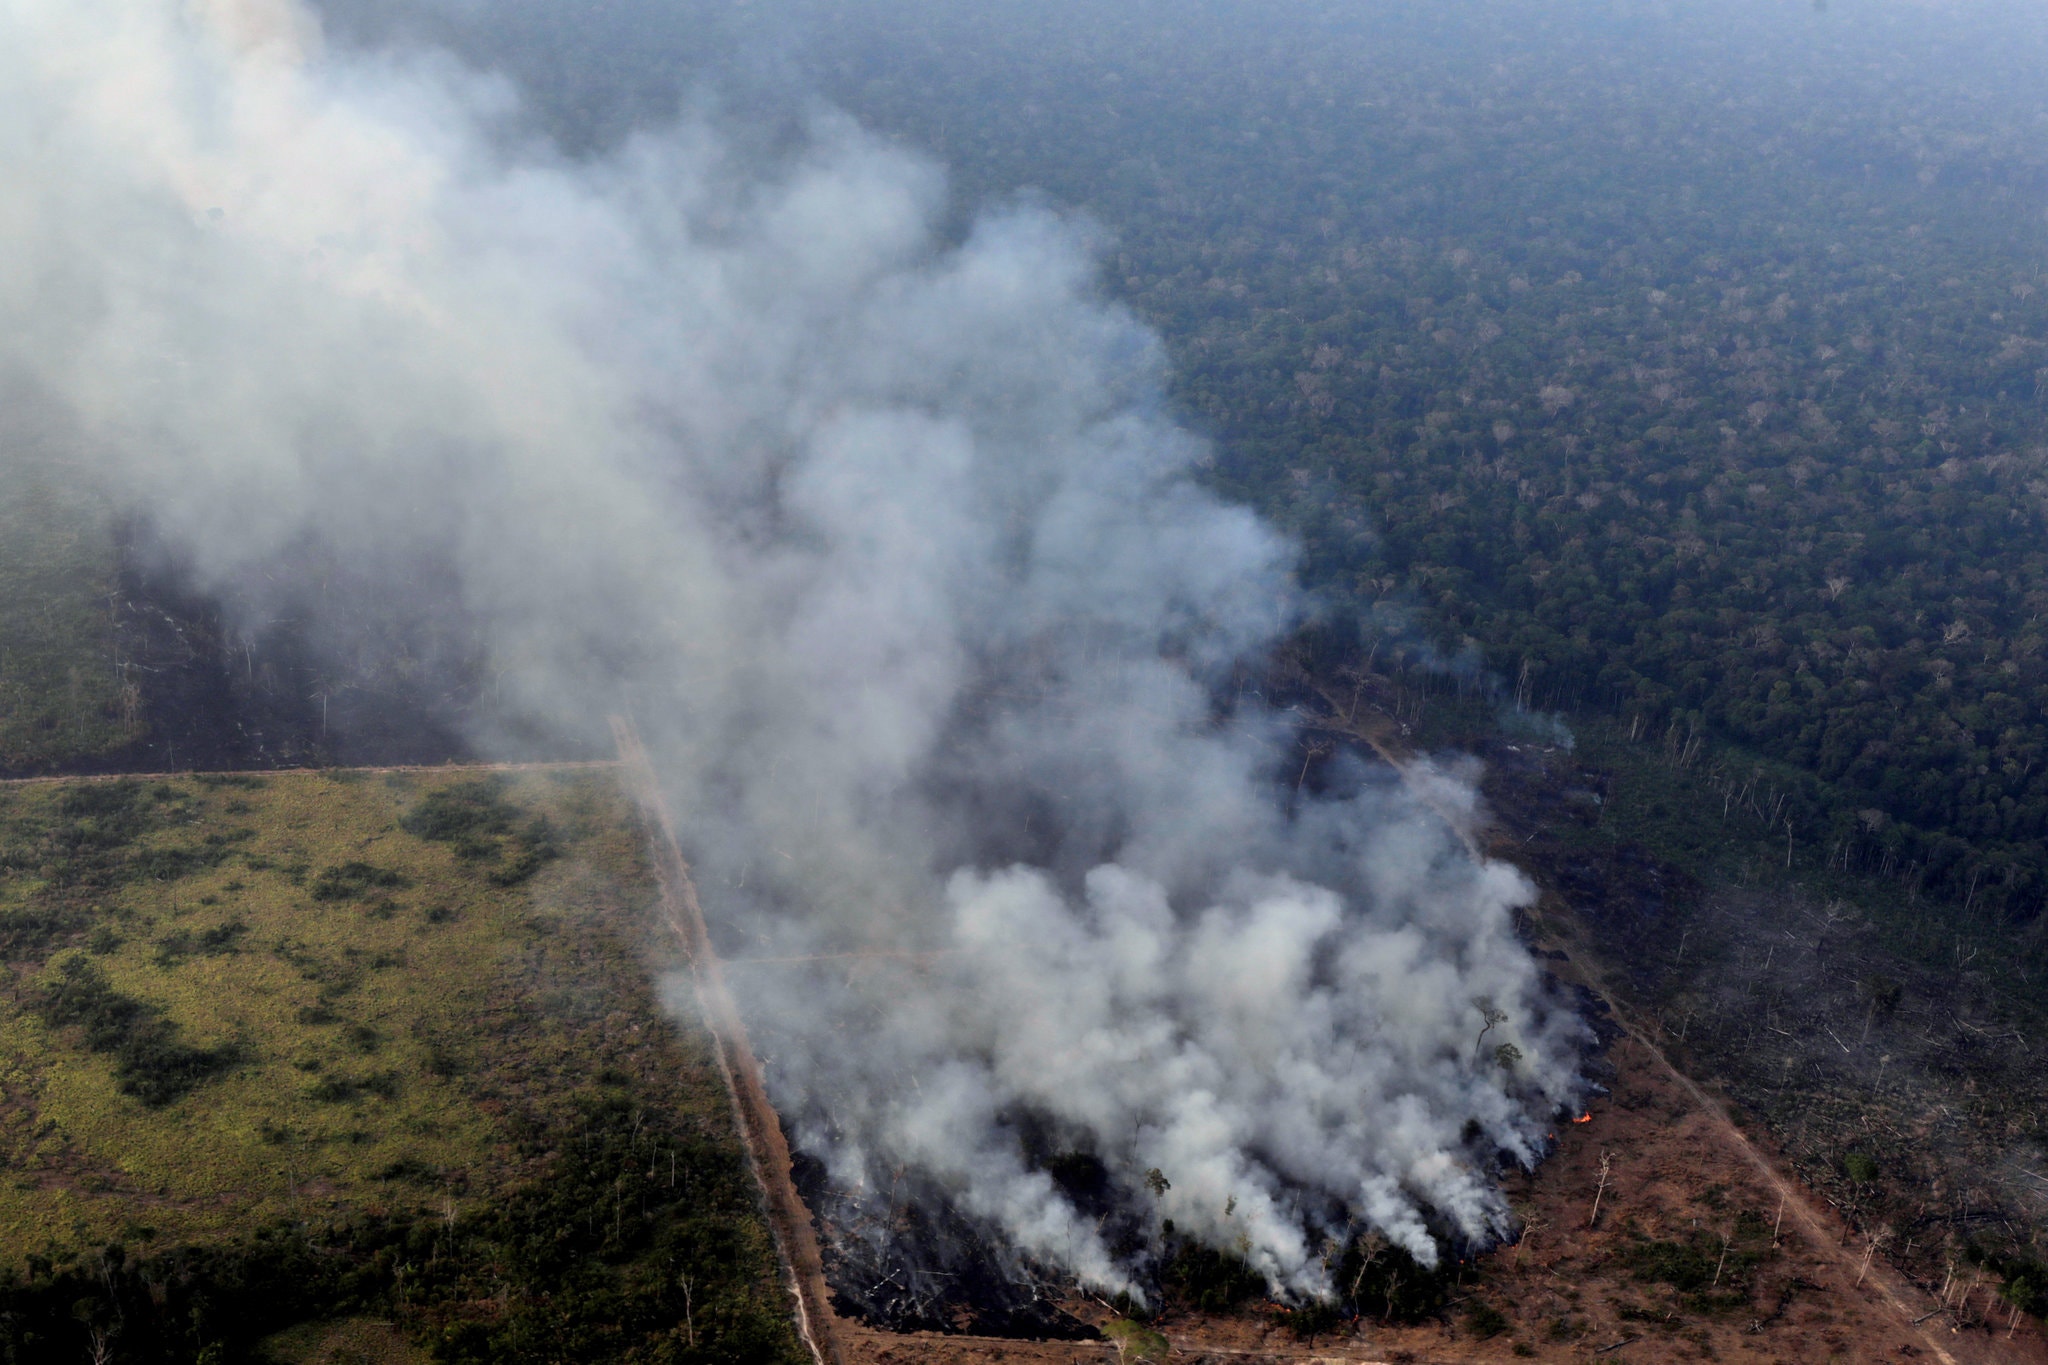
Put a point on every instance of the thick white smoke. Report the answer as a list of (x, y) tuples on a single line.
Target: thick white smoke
[(889, 546)]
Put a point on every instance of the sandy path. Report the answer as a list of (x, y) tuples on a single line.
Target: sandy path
[(760, 1129), (1878, 1276)]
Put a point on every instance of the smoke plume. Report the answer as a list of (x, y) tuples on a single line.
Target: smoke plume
[(890, 546)]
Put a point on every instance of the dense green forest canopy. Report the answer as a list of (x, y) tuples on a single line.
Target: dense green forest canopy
[(1676, 361)]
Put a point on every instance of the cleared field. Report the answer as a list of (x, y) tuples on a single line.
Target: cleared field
[(368, 1048)]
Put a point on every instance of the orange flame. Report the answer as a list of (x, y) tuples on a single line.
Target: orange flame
[(1583, 1118)]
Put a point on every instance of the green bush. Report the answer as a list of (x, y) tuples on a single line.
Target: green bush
[(462, 811), (2026, 1282), (151, 1063), (1485, 1321), (354, 880), (535, 848), (175, 947), (1134, 1341), (1712, 1273), (1314, 1318), (30, 932), (480, 825), (103, 814), (1383, 1281), (170, 864), (1211, 1280), (340, 1089), (78, 993)]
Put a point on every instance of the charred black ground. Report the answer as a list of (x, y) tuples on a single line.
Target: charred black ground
[(223, 686), (904, 1259)]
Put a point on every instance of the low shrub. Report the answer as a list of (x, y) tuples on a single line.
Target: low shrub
[(354, 880), (462, 810), (150, 1062), (1485, 1321)]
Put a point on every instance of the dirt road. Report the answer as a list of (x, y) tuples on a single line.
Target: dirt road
[(760, 1128)]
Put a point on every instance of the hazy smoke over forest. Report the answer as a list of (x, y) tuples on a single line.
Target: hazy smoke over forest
[(887, 542)]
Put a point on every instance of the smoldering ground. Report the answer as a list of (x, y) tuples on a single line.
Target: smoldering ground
[(888, 543)]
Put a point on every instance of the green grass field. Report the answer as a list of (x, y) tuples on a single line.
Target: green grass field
[(358, 1047), (61, 690)]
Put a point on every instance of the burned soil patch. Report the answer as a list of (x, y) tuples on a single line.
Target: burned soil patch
[(218, 694), (321, 676), (905, 1260)]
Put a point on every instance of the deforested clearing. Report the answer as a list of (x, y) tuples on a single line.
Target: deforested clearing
[(272, 1058)]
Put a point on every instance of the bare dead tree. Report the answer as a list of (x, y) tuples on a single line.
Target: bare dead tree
[(1883, 1235), (1316, 750), (1606, 1164), (1371, 1247), (1491, 1014)]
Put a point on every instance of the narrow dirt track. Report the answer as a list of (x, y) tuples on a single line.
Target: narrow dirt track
[(760, 1128), (1911, 1306)]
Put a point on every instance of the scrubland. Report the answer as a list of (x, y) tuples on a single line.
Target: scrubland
[(356, 1048)]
